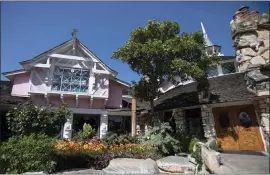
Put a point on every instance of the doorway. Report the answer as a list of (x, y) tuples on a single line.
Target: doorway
[(194, 123), (80, 119), (237, 128)]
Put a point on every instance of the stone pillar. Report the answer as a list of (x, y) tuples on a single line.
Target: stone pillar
[(208, 122), (262, 109), (250, 32), (103, 125), (159, 115), (180, 119), (67, 132)]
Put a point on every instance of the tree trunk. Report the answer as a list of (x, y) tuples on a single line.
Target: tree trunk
[(152, 111)]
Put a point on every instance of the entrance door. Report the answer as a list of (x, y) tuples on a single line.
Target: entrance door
[(237, 128)]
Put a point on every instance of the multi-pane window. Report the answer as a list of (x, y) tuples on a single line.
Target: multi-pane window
[(228, 67), (70, 79), (212, 71), (222, 69)]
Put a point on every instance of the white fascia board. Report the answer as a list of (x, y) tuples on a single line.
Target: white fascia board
[(68, 57), (43, 65), (14, 73), (101, 72), (93, 57)]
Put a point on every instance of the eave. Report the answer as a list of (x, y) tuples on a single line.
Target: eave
[(9, 75)]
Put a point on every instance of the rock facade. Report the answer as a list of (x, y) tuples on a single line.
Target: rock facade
[(208, 122), (250, 32), (180, 119)]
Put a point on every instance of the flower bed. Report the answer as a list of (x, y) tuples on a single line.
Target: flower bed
[(83, 154)]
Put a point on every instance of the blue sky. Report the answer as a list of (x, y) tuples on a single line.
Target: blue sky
[(30, 28)]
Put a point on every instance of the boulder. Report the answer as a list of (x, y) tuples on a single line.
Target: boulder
[(266, 55), (210, 159), (244, 58), (248, 51), (175, 164), (257, 61), (192, 159), (212, 143), (132, 166), (203, 170)]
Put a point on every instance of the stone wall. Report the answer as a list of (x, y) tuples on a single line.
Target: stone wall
[(262, 109), (250, 32), (208, 122), (180, 119)]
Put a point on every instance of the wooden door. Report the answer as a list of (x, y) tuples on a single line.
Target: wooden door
[(225, 128), (248, 129), (237, 128)]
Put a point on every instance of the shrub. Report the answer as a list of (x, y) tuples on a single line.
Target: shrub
[(75, 159), (113, 138), (27, 153), (197, 156), (29, 119), (87, 133), (185, 140), (192, 143), (160, 137)]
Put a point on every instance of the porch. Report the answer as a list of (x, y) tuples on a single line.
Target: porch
[(102, 120)]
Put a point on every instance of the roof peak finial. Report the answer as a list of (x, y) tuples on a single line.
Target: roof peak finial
[(73, 34)]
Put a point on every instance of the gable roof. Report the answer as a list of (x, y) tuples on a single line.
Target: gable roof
[(65, 44)]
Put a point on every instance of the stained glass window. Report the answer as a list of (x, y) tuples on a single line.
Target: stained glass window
[(70, 79)]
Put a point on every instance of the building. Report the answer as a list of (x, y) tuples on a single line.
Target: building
[(236, 112), (71, 74)]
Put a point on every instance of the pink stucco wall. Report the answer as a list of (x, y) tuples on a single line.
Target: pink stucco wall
[(21, 85), (115, 95), (38, 84)]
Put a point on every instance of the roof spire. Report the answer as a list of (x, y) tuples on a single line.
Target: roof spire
[(206, 39), (73, 34)]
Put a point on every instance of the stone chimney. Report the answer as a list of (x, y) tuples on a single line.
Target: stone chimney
[(250, 32)]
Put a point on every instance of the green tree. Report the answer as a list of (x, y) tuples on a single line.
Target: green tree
[(159, 52), (28, 119)]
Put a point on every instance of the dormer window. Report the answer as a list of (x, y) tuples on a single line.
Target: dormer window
[(70, 79)]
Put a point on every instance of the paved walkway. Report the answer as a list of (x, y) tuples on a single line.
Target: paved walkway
[(249, 164)]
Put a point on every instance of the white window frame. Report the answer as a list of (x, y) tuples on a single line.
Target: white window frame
[(70, 68)]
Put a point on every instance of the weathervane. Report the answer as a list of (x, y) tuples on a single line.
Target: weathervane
[(73, 34)]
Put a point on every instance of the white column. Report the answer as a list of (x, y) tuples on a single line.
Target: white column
[(103, 125), (67, 132)]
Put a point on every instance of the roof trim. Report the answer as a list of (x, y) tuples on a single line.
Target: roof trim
[(115, 72), (121, 82), (32, 59), (15, 72)]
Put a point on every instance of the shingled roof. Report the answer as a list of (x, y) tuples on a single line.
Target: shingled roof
[(227, 88)]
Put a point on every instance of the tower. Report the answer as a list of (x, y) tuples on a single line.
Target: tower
[(210, 47)]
